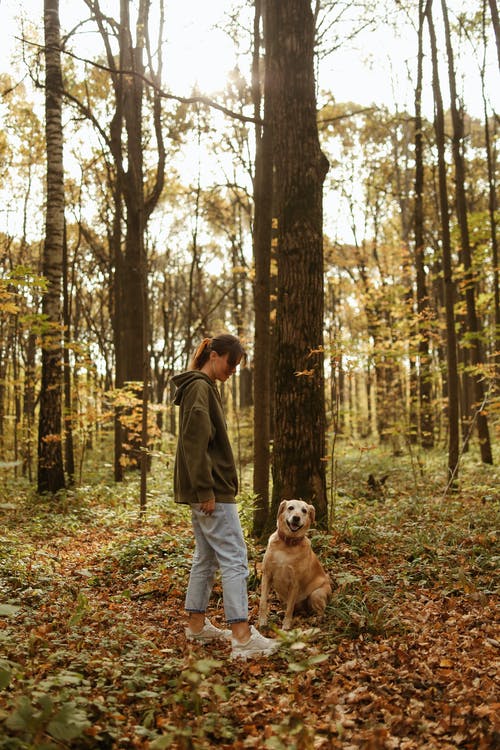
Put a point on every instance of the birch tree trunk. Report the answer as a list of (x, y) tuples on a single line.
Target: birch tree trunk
[(50, 459)]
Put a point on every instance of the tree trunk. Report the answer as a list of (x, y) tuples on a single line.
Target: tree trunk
[(68, 406), (492, 209), (29, 406), (135, 317), (129, 291), (496, 25), (50, 459), (133, 312), (423, 306), (300, 169), (117, 296), (194, 265), (449, 288), (474, 339), (263, 202), (117, 284)]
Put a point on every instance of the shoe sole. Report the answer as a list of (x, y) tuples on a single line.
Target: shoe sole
[(249, 655), (207, 640)]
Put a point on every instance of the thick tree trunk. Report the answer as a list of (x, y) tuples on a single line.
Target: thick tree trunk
[(300, 169), (263, 202), (449, 286), (50, 459)]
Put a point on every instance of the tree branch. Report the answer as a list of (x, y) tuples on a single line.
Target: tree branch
[(181, 99)]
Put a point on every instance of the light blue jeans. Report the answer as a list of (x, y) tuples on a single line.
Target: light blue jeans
[(219, 546)]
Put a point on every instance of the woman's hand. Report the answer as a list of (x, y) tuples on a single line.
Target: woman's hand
[(208, 506)]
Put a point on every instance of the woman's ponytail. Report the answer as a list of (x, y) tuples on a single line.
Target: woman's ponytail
[(201, 355)]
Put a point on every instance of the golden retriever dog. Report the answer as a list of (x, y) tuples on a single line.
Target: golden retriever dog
[(290, 566)]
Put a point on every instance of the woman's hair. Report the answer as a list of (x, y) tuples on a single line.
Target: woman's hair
[(222, 344)]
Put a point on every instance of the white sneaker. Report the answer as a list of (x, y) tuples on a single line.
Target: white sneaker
[(257, 645), (208, 633)]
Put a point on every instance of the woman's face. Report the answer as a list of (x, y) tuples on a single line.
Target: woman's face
[(221, 369)]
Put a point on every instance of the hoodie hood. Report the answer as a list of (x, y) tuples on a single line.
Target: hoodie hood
[(184, 379)]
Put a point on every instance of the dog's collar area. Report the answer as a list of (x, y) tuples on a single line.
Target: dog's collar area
[(291, 541)]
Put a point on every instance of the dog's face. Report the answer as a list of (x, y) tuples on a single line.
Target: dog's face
[(295, 517)]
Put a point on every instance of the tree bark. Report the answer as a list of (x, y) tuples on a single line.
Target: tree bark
[(29, 406), (263, 202), (50, 459), (130, 314), (69, 455), (449, 287), (300, 170), (474, 338), (133, 312), (496, 25), (423, 307), (492, 208)]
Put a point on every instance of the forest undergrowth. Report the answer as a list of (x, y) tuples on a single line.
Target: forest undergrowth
[(92, 645)]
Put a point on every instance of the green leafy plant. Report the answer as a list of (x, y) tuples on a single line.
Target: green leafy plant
[(198, 692), (34, 719), (5, 673)]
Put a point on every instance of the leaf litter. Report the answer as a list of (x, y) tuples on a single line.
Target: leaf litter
[(93, 652)]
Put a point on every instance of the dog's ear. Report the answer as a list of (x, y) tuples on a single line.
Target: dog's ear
[(312, 512), (282, 507)]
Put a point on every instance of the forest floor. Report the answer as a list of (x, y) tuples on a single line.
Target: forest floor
[(93, 652)]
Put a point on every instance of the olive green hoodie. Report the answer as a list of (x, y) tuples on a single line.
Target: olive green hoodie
[(204, 461)]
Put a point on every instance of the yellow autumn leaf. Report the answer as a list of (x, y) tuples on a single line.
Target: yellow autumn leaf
[(446, 663), (9, 307)]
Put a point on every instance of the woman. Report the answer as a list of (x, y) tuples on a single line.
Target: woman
[(205, 477)]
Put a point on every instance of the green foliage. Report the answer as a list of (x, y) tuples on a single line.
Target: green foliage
[(5, 673), (82, 606), (33, 719), (198, 690), (142, 552), (194, 686), (8, 610), (359, 610), (299, 649)]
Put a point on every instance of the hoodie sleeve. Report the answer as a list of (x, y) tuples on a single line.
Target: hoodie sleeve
[(195, 433)]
